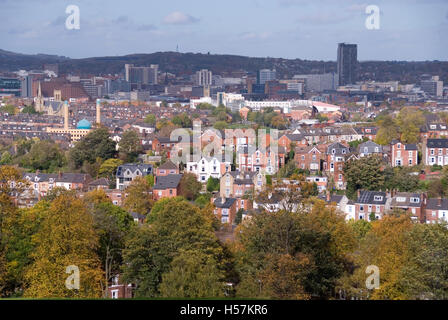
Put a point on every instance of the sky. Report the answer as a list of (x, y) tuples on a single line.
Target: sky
[(413, 30)]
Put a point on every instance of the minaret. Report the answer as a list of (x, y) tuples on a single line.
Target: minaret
[(98, 112), (66, 115)]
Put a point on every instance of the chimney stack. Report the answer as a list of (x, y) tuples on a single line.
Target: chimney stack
[(359, 193)]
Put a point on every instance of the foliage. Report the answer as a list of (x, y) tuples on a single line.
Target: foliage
[(189, 186), (97, 144), (213, 184), (138, 196), (129, 146), (364, 173), (66, 238)]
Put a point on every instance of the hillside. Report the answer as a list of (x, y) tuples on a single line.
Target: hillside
[(187, 63)]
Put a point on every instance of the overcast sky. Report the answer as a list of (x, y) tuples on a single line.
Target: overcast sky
[(409, 29)]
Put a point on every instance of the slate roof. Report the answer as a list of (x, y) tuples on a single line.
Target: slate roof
[(407, 202), (72, 177), (437, 143), (228, 202), (100, 182), (334, 198), (368, 197), (168, 165), (144, 168), (170, 181), (437, 204)]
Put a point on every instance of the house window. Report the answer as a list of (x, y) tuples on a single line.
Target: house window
[(114, 294)]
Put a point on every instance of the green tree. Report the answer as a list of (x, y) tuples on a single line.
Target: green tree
[(108, 170), (130, 146), (178, 226), (213, 184), (364, 173), (189, 186), (112, 224), (150, 119), (44, 155), (193, 274), (97, 144)]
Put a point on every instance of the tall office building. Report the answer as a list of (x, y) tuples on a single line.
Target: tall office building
[(27, 87), (203, 77), (141, 75), (266, 75), (347, 63), (432, 85)]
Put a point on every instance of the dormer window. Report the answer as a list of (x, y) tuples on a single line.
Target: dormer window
[(415, 200), (344, 151), (401, 199), (378, 198)]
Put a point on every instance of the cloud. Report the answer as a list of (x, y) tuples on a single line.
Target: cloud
[(178, 17), (254, 35)]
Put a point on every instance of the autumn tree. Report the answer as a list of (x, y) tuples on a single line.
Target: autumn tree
[(387, 130), (291, 255), (138, 196), (66, 238)]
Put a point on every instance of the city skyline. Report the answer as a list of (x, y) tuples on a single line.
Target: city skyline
[(411, 31)]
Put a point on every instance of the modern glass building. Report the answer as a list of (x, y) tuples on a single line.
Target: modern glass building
[(10, 86)]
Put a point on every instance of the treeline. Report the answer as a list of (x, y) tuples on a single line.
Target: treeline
[(305, 252)]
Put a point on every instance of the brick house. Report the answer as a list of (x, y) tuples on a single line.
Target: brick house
[(286, 140), (118, 290), (167, 168), (225, 209), (413, 203), (166, 186), (403, 155), (369, 202), (235, 184), (73, 181), (336, 156), (435, 152), (310, 157), (436, 210)]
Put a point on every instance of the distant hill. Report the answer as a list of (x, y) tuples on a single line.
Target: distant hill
[(187, 63), (11, 61)]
